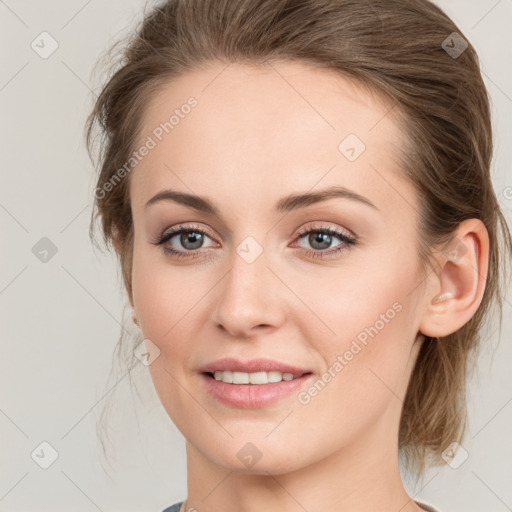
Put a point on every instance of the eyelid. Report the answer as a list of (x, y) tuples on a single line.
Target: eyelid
[(189, 227), (323, 226)]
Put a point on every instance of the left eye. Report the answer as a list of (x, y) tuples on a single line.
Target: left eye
[(320, 239)]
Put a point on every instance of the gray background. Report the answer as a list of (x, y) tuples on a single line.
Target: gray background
[(61, 318)]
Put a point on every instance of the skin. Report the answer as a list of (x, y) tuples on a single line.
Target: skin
[(259, 134)]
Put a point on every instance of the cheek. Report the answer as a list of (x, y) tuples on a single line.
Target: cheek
[(366, 317), (365, 364), (151, 291), (164, 298), (163, 294)]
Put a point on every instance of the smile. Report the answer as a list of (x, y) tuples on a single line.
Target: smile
[(230, 377), (253, 390)]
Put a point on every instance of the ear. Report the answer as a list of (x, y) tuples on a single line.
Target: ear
[(455, 290)]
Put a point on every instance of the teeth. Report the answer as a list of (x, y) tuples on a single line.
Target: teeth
[(252, 378)]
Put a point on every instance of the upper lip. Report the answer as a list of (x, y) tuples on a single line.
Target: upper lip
[(252, 366)]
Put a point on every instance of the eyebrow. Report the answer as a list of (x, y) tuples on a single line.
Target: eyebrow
[(285, 204)]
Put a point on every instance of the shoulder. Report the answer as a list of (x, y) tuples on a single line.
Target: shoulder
[(173, 508)]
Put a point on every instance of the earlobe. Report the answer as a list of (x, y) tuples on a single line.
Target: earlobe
[(457, 288)]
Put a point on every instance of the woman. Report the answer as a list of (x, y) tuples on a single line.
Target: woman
[(300, 198)]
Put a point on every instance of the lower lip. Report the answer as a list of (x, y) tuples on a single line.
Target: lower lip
[(252, 396)]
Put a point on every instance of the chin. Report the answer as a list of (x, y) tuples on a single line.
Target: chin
[(259, 457), (262, 467)]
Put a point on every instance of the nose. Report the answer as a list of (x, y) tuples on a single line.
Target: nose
[(250, 298)]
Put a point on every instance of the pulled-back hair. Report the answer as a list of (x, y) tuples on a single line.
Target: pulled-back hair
[(397, 49)]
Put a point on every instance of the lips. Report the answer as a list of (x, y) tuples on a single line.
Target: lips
[(252, 396), (252, 366), (243, 394)]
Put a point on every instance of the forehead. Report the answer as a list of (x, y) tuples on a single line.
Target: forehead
[(272, 126)]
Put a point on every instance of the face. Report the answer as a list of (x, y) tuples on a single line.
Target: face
[(329, 285)]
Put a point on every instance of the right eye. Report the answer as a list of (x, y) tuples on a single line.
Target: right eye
[(191, 239)]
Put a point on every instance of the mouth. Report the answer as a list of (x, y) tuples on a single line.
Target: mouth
[(256, 390), (253, 378)]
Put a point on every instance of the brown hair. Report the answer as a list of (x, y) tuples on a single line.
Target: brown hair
[(395, 48)]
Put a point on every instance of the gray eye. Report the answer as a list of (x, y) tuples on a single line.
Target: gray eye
[(320, 240), (191, 239)]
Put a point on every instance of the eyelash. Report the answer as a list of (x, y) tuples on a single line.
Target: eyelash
[(346, 241)]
